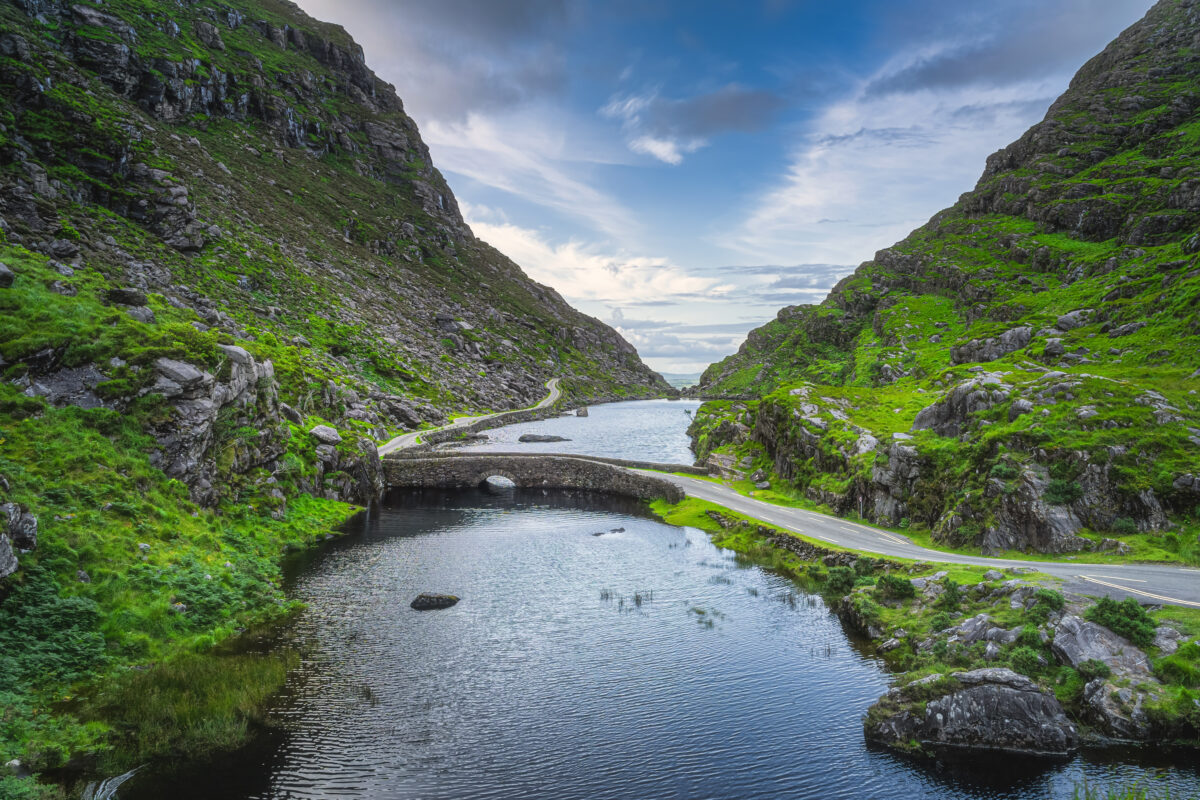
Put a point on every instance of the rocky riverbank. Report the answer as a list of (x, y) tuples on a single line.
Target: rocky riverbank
[(990, 661)]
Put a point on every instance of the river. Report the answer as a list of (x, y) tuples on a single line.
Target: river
[(640, 663)]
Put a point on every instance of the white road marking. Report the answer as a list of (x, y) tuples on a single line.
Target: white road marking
[(1131, 590), (1114, 578)]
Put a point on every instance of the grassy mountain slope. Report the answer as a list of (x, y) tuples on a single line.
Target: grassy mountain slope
[(1022, 371), (218, 230)]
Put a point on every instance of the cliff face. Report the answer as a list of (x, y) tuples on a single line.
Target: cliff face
[(1021, 372), (182, 179)]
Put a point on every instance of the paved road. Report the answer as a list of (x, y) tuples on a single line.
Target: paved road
[(411, 439), (1146, 582)]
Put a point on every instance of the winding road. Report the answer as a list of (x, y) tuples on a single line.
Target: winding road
[(1159, 583), (412, 439)]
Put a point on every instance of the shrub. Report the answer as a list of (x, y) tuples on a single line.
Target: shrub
[(1046, 601), (1126, 618), (940, 621), (1124, 526), (1029, 637), (1091, 669), (1025, 660), (894, 587), (841, 580), (1061, 492), (1004, 471), (951, 598)]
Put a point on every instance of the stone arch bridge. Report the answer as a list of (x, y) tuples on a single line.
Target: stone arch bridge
[(449, 470)]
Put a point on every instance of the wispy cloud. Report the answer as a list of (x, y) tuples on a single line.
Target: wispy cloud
[(669, 128)]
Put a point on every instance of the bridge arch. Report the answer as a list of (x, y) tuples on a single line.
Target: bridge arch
[(527, 471)]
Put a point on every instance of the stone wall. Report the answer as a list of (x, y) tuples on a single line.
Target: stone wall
[(455, 471)]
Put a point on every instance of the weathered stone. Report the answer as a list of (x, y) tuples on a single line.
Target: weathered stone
[(427, 601), (8, 559), (581, 412), (127, 296), (1167, 639), (6, 276), (991, 709), (542, 471), (21, 526), (993, 348), (326, 435), (540, 437), (1075, 319), (1077, 640)]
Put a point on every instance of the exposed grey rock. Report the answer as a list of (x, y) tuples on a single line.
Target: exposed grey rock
[(990, 709), (20, 526), (427, 601), (1125, 330), (127, 296), (6, 276), (1019, 406), (70, 386), (866, 444), (581, 412), (541, 437), (1025, 520), (1054, 347), (1075, 319), (993, 575), (207, 33), (1077, 640), (763, 485), (1167, 639), (951, 415), (8, 559), (236, 354), (291, 414), (1120, 711), (993, 348), (326, 435)]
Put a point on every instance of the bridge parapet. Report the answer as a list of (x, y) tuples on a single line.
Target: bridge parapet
[(527, 471)]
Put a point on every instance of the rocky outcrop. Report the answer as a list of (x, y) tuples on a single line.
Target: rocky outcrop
[(1025, 520), (993, 347), (528, 438), (950, 415), (1077, 640), (990, 710), (18, 531)]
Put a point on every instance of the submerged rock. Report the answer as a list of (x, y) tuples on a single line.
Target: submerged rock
[(427, 601)]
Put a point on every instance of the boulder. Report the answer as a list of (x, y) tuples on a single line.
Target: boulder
[(1076, 640), (6, 276), (127, 296), (540, 437), (952, 414), (581, 412), (1167, 639), (1075, 319), (1120, 711), (427, 601), (8, 559), (325, 435), (993, 348), (21, 527), (985, 710)]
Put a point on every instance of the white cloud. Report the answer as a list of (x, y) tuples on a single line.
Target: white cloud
[(536, 158), (583, 272), (669, 151), (875, 167)]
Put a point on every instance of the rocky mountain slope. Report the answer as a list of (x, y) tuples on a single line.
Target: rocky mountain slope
[(228, 269), (1021, 373)]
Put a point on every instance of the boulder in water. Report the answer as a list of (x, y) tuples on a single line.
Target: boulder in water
[(540, 437), (427, 601)]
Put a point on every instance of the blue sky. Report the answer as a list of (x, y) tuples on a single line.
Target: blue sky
[(683, 169)]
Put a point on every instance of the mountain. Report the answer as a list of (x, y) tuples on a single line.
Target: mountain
[(219, 231), (1022, 371)]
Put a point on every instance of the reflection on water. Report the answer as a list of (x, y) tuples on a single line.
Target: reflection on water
[(642, 430), (639, 663)]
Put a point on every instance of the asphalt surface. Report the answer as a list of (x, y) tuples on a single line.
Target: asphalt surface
[(1155, 583), (412, 439)]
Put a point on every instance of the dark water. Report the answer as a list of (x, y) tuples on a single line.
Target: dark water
[(642, 430), (549, 680)]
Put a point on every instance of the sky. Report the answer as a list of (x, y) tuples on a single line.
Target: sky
[(682, 169)]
